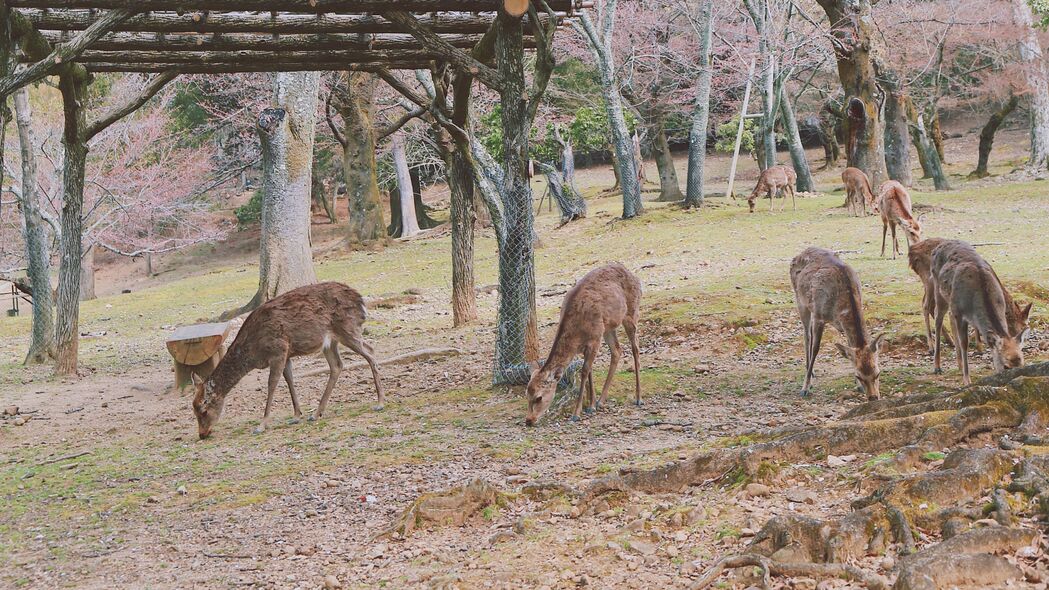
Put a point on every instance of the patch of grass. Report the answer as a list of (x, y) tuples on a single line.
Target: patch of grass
[(881, 459), (725, 530), (933, 456)]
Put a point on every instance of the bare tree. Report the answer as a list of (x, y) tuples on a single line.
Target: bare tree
[(1036, 72)]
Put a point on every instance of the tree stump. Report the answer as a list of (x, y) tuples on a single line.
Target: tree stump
[(197, 350)]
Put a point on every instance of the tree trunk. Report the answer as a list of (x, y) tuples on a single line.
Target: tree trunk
[(461, 187), (362, 186), (697, 137), (897, 137), (1036, 73), (925, 145), (409, 223), (517, 340), (851, 26), (67, 309), (987, 135), (422, 217), (87, 274), (286, 133), (936, 132), (35, 236), (797, 150), (768, 104), (669, 187), (829, 120)]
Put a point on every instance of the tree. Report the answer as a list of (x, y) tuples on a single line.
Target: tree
[(409, 224), (599, 37), (1036, 73), (988, 132), (286, 131), (355, 101), (852, 39), (35, 235), (697, 137)]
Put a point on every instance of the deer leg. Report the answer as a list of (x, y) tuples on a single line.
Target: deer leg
[(635, 350), (291, 390), (331, 353), (884, 230), (772, 200), (591, 399), (276, 369), (817, 339), (927, 315), (588, 366), (941, 310), (358, 345), (617, 353), (961, 340), (895, 244), (793, 199), (808, 352)]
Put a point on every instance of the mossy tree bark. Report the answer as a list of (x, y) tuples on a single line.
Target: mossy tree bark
[(797, 150), (1036, 72), (364, 200), (35, 236), (669, 186), (988, 132), (697, 136)]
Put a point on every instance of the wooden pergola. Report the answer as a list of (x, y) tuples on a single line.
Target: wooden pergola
[(482, 40)]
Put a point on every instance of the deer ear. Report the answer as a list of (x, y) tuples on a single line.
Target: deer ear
[(197, 381), (1026, 314), (878, 343), (844, 350)]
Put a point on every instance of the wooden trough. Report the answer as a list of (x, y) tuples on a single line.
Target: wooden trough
[(197, 350)]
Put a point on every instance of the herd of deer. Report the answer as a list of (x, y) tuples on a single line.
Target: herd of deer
[(955, 277)]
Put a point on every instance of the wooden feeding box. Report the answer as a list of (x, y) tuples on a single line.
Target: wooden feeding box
[(197, 350)]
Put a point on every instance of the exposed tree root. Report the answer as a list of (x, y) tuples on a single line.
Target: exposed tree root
[(450, 507), (770, 568), (965, 559)]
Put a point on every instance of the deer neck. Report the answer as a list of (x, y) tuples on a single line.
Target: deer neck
[(230, 370)]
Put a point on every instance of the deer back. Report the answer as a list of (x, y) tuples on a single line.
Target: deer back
[(969, 285), (828, 290)]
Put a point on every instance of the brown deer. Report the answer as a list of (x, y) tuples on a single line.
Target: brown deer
[(858, 192), (967, 286), (920, 260), (775, 180), (894, 203), (300, 322), (604, 299), (827, 291)]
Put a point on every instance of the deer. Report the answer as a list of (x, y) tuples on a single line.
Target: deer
[(919, 257), (773, 181), (606, 298), (967, 286), (827, 291), (300, 322), (858, 191), (894, 203)]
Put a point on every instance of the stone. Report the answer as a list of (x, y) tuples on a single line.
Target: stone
[(887, 563), (377, 551), (677, 519), (331, 582), (801, 496), (636, 525), (804, 584), (642, 547), (757, 490), (11, 411), (181, 490), (792, 553), (501, 536)]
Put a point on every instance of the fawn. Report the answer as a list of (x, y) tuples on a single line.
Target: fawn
[(772, 181), (600, 302), (894, 203), (967, 286), (920, 260), (300, 322), (827, 291), (858, 191)]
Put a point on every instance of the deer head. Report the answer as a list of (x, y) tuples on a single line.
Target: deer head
[(540, 391), (207, 406), (865, 363), (913, 227), (1007, 352)]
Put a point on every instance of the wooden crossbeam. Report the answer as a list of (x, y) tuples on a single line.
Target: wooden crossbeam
[(243, 56), (261, 42), (244, 22), (307, 6), (236, 68)]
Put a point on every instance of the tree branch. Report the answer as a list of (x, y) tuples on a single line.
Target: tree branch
[(147, 92), (455, 56)]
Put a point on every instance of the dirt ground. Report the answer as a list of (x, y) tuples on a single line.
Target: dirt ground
[(105, 485)]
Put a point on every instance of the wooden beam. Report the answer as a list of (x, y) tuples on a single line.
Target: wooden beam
[(456, 57), (246, 22), (232, 57), (234, 68), (261, 42), (307, 6)]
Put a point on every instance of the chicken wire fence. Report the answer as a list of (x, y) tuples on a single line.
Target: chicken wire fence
[(516, 306)]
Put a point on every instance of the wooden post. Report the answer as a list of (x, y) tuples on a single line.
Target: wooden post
[(739, 133), (197, 350)]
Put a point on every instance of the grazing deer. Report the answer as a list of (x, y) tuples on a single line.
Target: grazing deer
[(967, 286), (894, 203), (858, 193), (604, 299), (299, 322), (773, 181), (827, 291), (920, 260)]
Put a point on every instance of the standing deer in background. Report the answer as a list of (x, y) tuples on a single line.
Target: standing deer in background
[(773, 181), (894, 202), (300, 322), (858, 193), (604, 299), (920, 260), (967, 286), (827, 291)]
